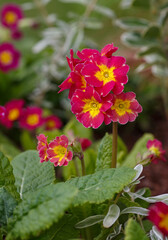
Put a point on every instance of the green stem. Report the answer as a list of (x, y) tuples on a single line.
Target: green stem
[(83, 166), (76, 167), (114, 146)]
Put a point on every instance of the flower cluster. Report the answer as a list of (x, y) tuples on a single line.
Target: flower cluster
[(57, 151), (10, 16), (158, 214), (29, 118), (96, 83), (156, 153)]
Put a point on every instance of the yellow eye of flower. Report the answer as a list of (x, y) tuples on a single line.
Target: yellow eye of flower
[(13, 114), (33, 119), (5, 57), (92, 106), (10, 17)]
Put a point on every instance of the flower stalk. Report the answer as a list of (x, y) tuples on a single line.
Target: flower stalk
[(114, 145)]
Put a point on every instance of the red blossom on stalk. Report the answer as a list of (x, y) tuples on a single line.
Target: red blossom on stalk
[(156, 151), (52, 122), (2, 112), (42, 148), (158, 214), (85, 143), (89, 107), (58, 152), (106, 74), (9, 57), (13, 112), (10, 15), (16, 34), (125, 108), (31, 118)]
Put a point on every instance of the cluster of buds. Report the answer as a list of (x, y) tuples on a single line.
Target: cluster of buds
[(10, 16), (29, 118), (96, 83), (60, 151)]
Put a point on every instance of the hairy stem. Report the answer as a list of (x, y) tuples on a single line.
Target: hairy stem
[(114, 146), (83, 166), (76, 166)]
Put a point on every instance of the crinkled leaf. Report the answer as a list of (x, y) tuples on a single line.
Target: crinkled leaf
[(7, 205), (62, 230), (139, 147), (87, 222), (102, 185), (105, 152), (7, 179), (30, 174), (134, 23), (39, 210), (133, 231), (112, 216)]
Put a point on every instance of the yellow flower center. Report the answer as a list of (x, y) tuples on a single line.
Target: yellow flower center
[(50, 124), (33, 119), (60, 151), (155, 150), (13, 114), (121, 107), (105, 74), (10, 17), (164, 221), (6, 57), (92, 106)]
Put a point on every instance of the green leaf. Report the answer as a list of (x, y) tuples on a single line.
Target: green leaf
[(7, 179), (150, 50), (133, 231), (133, 23), (39, 210), (163, 17), (134, 39), (90, 221), (142, 4), (27, 141), (62, 230), (105, 152), (7, 205), (77, 129), (152, 32), (7, 147), (139, 147), (112, 216), (102, 185), (30, 174)]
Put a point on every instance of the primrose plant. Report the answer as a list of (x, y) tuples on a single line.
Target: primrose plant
[(98, 197)]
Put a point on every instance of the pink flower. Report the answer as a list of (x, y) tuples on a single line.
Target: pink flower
[(13, 112), (2, 112), (156, 151), (106, 74), (42, 148), (9, 57), (31, 118), (11, 14), (58, 151), (89, 107), (85, 143), (74, 81), (158, 214), (52, 122), (125, 108)]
